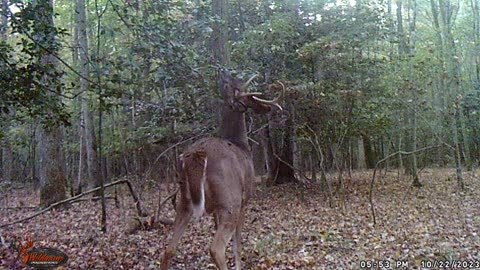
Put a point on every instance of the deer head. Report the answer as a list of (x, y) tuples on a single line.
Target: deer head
[(237, 97), (236, 101), (216, 174)]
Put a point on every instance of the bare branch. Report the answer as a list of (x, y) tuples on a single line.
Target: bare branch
[(383, 160)]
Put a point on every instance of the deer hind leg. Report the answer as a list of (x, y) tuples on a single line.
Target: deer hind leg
[(237, 241), (181, 222), (225, 231)]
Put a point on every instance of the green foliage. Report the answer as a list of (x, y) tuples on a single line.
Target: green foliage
[(30, 83), (151, 63)]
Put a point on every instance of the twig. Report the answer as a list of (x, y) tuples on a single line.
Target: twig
[(160, 204), (375, 172), (168, 198)]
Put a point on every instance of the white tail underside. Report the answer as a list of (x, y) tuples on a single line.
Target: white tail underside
[(199, 209)]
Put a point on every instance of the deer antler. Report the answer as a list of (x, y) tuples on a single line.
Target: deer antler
[(273, 101), (255, 95), (245, 85)]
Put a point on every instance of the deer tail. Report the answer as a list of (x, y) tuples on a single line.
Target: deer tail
[(196, 163)]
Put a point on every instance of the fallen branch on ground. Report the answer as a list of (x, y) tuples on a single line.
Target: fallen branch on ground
[(92, 199), (57, 204), (18, 207)]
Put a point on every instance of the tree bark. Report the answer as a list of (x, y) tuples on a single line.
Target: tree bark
[(402, 45), (52, 163), (285, 172), (361, 162), (87, 130), (219, 46), (6, 151), (369, 153), (7, 156), (79, 184)]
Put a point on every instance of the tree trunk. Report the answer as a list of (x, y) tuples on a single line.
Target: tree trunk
[(7, 156), (361, 162), (313, 167), (220, 33), (52, 163), (269, 151), (465, 138), (447, 12), (285, 171), (79, 184), (6, 151), (369, 153), (52, 170), (458, 163), (402, 45), (87, 129), (414, 167)]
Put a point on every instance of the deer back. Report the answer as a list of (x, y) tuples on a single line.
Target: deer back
[(229, 174)]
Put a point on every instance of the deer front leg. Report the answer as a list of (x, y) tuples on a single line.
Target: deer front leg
[(181, 221)]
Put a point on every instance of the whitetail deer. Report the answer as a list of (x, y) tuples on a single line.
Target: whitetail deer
[(216, 174)]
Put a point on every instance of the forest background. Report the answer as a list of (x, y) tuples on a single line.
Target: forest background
[(93, 91)]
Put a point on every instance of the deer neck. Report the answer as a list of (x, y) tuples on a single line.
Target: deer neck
[(233, 128)]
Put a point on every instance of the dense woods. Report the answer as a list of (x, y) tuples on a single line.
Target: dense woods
[(95, 91)]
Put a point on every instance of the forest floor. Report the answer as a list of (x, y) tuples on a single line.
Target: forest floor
[(288, 227)]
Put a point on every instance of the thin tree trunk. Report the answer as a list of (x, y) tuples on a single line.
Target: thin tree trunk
[(7, 156), (6, 151), (361, 162), (465, 138), (313, 168), (402, 46), (458, 162), (448, 13), (414, 168), (88, 126), (82, 158), (220, 32), (269, 153)]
